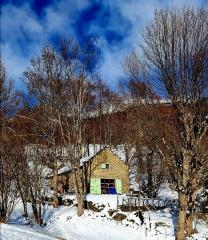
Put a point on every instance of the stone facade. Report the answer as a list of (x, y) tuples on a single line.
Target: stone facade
[(117, 169), (94, 172), (64, 182)]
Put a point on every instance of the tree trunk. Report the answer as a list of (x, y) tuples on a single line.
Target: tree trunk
[(184, 193), (34, 206), (55, 188), (150, 174), (127, 152), (191, 215), (181, 224), (189, 224), (25, 208), (80, 206), (35, 212), (2, 215), (39, 215), (23, 198), (79, 193), (24, 202)]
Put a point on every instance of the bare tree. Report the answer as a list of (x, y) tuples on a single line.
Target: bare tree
[(8, 97), (44, 80), (143, 126), (175, 46), (77, 106), (60, 82), (36, 177), (106, 102), (21, 177), (8, 191), (150, 164)]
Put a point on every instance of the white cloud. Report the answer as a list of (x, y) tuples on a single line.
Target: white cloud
[(138, 13), (23, 33), (111, 68)]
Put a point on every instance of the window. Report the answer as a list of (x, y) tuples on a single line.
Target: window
[(107, 185), (107, 165), (104, 165)]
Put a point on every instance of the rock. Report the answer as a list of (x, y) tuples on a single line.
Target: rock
[(131, 220), (92, 207), (111, 212), (119, 217), (67, 202)]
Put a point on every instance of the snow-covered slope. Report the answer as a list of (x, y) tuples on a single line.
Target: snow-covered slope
[(16, 232), (63, 223)]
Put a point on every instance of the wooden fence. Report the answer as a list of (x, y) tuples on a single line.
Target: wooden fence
[(136, 202)]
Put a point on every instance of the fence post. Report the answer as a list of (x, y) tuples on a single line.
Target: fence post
[(117, 203)]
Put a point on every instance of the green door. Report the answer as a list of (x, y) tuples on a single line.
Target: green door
[(119, 186), (95, 187)]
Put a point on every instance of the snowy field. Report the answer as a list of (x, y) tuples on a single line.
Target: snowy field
[(13, 232), (63, 223)]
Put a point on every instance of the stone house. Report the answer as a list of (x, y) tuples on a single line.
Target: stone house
[(103, 173)]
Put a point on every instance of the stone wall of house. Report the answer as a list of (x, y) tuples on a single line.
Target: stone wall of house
[(92, 169), (64, 180), (117, 168)]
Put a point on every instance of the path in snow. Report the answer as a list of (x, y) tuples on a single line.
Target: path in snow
[(9, 232)]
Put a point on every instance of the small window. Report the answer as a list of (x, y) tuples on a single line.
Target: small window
[(104, 165), (107, 165)]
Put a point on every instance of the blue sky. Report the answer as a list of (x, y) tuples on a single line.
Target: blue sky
[(115, 24)]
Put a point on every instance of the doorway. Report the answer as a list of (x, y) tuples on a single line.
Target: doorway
[(107, 185)]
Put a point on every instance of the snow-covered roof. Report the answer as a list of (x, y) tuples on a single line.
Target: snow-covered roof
[(64, 170), (118, 150), (90, 153), (92, 150)]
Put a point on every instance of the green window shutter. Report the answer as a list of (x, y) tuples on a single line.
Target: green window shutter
[(102, 166), (95, 186), (119, 186)]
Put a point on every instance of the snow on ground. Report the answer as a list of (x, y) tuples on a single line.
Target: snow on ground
[(202, 229), (63, 223), (90, 226), (165, 192), (9, 232)]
